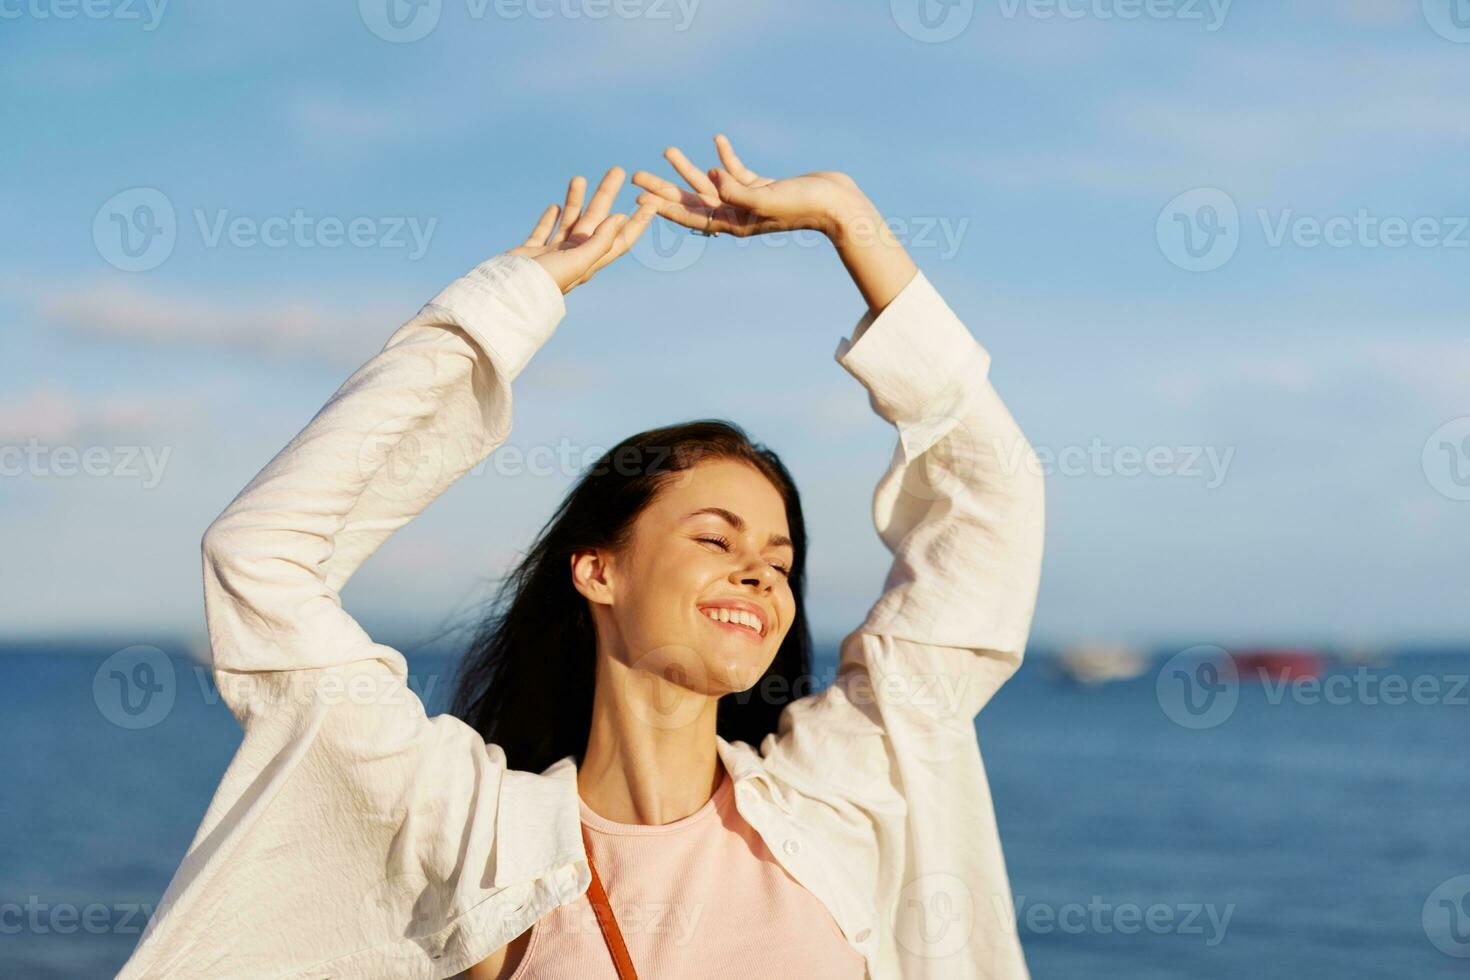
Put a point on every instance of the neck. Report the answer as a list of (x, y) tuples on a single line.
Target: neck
[(651, 754)]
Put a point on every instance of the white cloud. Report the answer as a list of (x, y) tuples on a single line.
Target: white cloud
[(341, 123), (1261, 119), (294, 331), (51, 414)]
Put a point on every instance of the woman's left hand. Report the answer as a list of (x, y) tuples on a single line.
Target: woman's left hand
[(586, 240), (736, 200)]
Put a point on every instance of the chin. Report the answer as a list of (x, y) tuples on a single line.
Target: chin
[(734, 672)]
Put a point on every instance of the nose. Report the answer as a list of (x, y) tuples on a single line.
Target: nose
[(756, 572)]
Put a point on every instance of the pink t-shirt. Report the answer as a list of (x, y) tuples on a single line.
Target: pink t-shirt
[(699, 897)]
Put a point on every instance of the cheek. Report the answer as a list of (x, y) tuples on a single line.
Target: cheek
[(788, 608), (665, 594), (668, 577)]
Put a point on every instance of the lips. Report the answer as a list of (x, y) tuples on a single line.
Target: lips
[(759, 614), (745, 631)]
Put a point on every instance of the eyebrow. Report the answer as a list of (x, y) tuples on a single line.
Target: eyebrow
[(738, 523)]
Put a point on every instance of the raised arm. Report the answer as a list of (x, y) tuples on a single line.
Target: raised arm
[(400, 430), (960, 506), (892, 741), (381, 833), (886, 759)]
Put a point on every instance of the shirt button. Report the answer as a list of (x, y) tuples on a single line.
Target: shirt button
[(791, 846)]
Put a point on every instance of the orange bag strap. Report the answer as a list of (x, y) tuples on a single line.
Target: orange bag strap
[(609, 925)]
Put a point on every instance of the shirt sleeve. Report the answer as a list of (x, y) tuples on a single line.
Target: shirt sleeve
[(348, 823), (886, 759), (960, 507)]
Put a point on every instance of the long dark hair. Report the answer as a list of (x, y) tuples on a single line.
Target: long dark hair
[(527, 679)]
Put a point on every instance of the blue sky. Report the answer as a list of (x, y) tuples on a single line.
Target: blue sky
[(1299, 367)]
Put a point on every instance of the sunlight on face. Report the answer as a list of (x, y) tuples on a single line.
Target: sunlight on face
[(685, 556)]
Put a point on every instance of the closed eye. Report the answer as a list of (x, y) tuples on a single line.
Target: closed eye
[(724, 544)]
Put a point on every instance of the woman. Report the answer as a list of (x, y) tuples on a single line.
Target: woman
[(626, 728)]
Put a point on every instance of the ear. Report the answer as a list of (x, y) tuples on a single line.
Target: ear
[(591, 570)]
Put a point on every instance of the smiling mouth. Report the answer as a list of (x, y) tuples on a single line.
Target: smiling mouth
[(748, 631)]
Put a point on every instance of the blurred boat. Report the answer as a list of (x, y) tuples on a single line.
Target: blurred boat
[(1101, 663), (1278, 663), (1365, 655)]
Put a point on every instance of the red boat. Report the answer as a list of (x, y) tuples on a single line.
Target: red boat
[(1278, 663)]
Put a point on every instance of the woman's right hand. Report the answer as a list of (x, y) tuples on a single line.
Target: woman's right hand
[(738, 201), (586, 240)]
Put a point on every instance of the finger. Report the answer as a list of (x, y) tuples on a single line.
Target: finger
[(680, 213), (727, 218), (575, 191), (653, 201), (542, 231), (655, 184), (732, 162), (638, 222), (596, 247), (672, 193), (602, 199), (602, 238), (730, 220), (691, 173), (732, 191)]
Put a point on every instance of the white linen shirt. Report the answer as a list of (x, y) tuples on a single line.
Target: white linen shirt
[(353, 836)]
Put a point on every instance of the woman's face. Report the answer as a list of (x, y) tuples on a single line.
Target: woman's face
[(715, 538)]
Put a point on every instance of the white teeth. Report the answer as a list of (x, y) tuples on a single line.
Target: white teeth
[(738, 616)]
